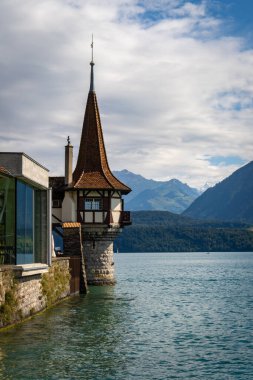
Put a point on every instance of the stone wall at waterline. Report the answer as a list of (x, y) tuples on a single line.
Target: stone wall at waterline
[(99, 262), (28, 289)]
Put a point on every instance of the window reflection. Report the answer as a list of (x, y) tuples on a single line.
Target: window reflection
[(7, 220), (25, 232), (23, 222)]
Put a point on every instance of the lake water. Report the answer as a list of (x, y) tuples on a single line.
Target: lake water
[(170, 316)]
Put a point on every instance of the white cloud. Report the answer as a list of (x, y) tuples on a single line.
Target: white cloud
[(170, 90)]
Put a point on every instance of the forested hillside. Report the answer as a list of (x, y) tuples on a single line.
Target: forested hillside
[(154, 231)]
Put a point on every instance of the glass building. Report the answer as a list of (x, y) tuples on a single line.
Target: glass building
[(25, 233)]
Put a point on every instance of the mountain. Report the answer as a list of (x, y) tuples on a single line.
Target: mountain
[(229, 200), (163, 231), (148, 194)]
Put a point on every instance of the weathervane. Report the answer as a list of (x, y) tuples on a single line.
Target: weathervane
[(92, 64), (91, 48)]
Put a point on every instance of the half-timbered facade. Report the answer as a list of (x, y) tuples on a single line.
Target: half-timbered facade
[(91, 196)]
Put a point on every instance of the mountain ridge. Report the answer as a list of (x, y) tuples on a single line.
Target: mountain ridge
[(229, 200), (149, 194)]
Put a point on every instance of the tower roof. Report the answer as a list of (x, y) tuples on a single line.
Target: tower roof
[(92, 169)]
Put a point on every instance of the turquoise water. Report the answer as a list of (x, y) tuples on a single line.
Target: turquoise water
[(170, 316)]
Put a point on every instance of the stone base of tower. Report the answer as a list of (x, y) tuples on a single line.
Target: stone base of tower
[(99, 263), (98, 256)]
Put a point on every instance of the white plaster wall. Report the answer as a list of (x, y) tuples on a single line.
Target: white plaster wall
[(116, 217), (116, 204), (88, 217), (34, 172), (58, 213), (69, 207), (93, 194), (98, 217), (21, 165)]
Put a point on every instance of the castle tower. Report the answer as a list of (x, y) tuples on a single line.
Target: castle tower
[(94, 197)]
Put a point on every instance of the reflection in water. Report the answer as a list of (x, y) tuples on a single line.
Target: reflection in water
[(81, 336), (171, 316)]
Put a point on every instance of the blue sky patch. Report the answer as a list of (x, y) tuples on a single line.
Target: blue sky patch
[(226, 161), (234, 100), (236, 15)]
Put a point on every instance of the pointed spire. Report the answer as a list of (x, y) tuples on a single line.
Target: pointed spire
[(92, 169), (92, 89)]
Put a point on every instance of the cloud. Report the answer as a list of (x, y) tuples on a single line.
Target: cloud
[(171, 87)]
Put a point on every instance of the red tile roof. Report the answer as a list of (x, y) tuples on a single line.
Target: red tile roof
[(71, 225), (92, 170)]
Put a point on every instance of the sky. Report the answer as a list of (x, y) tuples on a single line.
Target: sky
[(173, 78)]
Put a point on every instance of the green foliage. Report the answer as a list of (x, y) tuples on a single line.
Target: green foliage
[(9, 312), (55, 283), (154, 231)]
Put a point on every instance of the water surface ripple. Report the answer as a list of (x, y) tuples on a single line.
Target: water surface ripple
[(170, 316)]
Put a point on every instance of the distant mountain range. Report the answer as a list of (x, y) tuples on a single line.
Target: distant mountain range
[(229, 200), (148, 194)]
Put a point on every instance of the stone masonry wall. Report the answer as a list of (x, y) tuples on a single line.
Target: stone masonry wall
[(23, 296), (29, 295), (99, 262), (72, 240)]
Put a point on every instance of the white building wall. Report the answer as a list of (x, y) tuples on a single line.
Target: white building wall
[(116, 204), (58, 213), (34, 172), (88, 217), (93, 194), (69, 206), (24, 167), (98, 217), (116, 216)]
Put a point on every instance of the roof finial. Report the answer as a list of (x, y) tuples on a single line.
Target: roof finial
[(91, 48), (92, 64)]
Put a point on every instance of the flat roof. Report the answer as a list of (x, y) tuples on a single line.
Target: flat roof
[(26, 155)]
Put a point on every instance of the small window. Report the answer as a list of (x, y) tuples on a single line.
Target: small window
[(56, 203), (92, 204)]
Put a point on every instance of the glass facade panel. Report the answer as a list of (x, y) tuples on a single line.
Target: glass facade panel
[(7, 220), (41, 217), (25, 223)]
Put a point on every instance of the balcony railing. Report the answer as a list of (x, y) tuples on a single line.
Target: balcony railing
[(125, 218), (122, 218)]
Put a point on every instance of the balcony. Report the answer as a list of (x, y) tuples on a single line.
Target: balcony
[(125, 218)]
